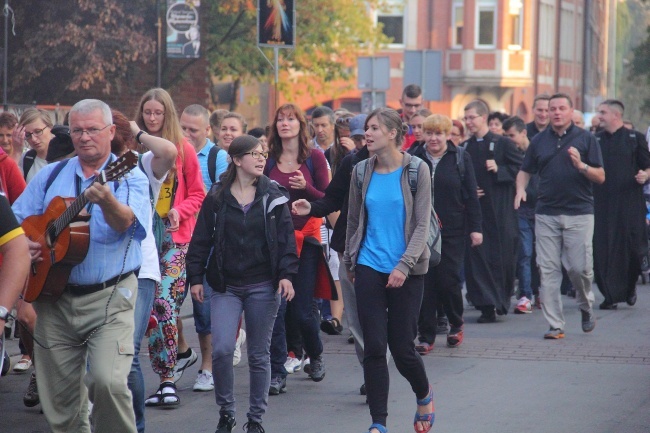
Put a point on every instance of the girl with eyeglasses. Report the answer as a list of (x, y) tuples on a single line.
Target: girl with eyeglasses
[(245, 247), (180, 198)]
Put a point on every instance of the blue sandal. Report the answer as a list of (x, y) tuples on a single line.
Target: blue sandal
[(379, 427), (427, 417)]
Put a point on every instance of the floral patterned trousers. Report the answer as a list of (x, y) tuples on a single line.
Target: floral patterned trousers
[(170, 294)]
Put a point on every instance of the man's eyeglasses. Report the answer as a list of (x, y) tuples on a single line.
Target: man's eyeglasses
[(257, 155), (416, 106), (78, 133), (470, 118), (153, 113), (36, 133)]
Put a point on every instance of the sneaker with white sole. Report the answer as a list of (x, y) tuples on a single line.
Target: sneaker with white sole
[(204, 381), (292, 363), (241, 338), (187, 360), (524, 306), (305, 365)]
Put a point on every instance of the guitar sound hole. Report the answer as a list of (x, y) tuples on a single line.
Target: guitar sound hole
[(50, 238)]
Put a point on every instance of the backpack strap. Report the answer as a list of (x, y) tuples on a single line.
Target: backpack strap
[(55, 172), (212, 163), (28, 162), (153, 205), (413, 168), (361, 172), (460, 162)]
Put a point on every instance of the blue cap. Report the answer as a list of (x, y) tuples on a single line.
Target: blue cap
[(356, 125)]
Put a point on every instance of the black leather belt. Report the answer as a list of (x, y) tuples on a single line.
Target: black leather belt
[(81, 290)]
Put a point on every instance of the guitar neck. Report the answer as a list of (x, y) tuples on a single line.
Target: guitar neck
[(112, 172), (70, 213)]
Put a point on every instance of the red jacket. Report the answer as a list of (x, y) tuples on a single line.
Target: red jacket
[(11, 179), (189, 193)]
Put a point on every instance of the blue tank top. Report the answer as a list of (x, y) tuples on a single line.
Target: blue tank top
[(384, 242)]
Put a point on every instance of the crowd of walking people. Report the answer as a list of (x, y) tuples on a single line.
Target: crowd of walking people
[(296, 228)]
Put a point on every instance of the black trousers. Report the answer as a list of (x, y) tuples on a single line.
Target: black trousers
[(443, 286), (389, 317)]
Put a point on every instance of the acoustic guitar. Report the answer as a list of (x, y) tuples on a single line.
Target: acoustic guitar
[(64, 236)]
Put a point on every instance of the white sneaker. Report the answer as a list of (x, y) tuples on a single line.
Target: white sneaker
[(182, 364), (292, 363), (305, 365), (204, 381), (240, 340), (524, 306)]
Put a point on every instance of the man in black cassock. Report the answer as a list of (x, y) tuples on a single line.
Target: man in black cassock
[(490, 267), (620, 238)]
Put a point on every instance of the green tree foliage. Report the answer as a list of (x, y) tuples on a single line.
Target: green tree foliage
[(71, 45), (329, 36), (66, 46)]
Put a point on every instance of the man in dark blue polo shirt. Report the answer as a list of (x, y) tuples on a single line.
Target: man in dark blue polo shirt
[(568, 160)]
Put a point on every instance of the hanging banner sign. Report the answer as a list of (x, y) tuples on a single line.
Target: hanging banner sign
[(276, 23), (183, 31)]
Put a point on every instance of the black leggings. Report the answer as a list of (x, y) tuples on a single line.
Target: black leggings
[(389, 317)]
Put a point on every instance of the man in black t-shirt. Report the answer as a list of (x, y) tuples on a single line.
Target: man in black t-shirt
[(568, 159), (15, 261), (540, 116)]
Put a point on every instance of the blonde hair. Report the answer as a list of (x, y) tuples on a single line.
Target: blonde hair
[(33, 114), (171, 129), (438, 124)]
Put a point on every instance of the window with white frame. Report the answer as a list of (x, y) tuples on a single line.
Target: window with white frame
[(486, 15), (567, 33), (516, 16), (391, 16), (458, 22), (547, 29)]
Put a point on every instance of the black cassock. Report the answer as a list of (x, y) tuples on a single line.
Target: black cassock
[(490, 268), (620, 237)]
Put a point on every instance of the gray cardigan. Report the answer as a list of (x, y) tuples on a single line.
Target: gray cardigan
[(415, 260)]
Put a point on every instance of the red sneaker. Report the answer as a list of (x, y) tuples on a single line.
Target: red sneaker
[(455, 337)]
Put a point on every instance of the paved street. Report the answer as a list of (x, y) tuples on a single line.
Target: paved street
[(504, 378)]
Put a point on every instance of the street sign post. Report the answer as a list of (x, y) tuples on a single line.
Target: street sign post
[(373, 76), (424, 68)]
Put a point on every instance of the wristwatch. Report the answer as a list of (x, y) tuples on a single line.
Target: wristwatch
[(137, 136), (585, 168), (4, 313)]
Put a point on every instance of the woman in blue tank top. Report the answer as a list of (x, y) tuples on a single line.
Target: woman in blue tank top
[(386, 251)]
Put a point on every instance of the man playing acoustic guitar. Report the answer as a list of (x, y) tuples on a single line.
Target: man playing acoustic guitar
[(88, 332)]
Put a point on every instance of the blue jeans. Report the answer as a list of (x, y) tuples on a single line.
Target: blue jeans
[(260, 304), (201, 311), (142, 312), (279, 343), (524, 261)]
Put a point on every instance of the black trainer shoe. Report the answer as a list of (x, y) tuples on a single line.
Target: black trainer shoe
[(31, 399), (253, 427), (226, 423), (588, 320), (631, 298), (278, 385), (317, 372), (442, 327)]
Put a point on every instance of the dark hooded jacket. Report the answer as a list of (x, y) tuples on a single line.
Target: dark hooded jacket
[(205, 255)]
